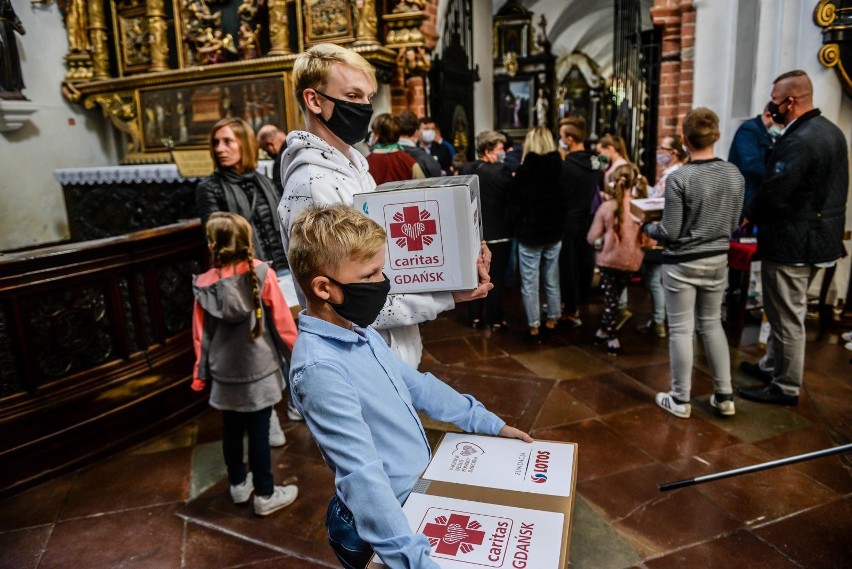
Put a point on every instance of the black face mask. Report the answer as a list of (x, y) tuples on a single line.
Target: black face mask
[(362, 302), (349, 121), (775, 111)]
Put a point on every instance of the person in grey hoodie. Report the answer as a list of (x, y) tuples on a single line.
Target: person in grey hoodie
[(334, 87), (241, 329)]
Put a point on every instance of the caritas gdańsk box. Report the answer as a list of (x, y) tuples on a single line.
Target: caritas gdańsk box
[(495, 502), (434, 232)]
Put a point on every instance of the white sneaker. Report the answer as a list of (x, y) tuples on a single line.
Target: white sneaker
[(848, 346), (726, 408), (242, 492), (847, 336), (667, 402), (293, 413), (282, 496), (276, 435)]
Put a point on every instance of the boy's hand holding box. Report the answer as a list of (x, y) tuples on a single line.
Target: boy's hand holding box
[(434, 232)]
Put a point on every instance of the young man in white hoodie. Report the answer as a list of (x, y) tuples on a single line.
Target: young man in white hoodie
[(334, 89)]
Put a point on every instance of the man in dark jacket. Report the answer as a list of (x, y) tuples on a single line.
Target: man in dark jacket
[(495, 187), (800, 212), (273, 141), (428, 135), (409, 129), (582, 174), (749, 150)]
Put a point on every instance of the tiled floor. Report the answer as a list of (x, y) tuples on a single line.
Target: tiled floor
[(164, 504)]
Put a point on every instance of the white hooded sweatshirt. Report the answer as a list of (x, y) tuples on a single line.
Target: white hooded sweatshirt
[(314, 172)]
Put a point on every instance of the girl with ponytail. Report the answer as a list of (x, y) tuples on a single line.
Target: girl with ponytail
[(242, 330), (617, 237)]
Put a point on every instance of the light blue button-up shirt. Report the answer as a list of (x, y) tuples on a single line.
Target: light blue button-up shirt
[(360, 401)]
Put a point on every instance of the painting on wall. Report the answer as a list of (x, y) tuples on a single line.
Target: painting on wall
[(132, 37), (513, 105), (328, 21), (181, 117)]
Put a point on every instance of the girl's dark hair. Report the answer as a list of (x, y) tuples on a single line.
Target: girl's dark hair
[(230, 240)]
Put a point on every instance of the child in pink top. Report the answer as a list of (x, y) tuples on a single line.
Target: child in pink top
[(617, 237)]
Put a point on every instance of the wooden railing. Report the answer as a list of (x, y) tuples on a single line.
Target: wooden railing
[(95, 348)]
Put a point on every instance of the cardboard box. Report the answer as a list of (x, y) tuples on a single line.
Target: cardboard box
[(648, 209), (495, 502), (434, 231)]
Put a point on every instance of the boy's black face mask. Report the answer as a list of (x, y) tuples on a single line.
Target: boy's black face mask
[(362, 302), (349, 121)]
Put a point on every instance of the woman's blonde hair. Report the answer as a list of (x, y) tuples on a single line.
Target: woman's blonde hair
[(616, 143), (245, 139), (538, 140), (229, 237), (312, 67), (626, 179), (323, 237)]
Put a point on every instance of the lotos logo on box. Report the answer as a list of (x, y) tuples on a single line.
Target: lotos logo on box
[(542, 462), (463, 536), (415, 235)]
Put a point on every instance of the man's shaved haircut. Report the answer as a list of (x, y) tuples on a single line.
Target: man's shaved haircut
[(794, 84)]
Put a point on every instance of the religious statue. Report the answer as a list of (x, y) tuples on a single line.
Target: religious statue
[(212, 44), (77, 25), (11, 78), (542, 44), (542, 105), (279, 28), (249, 41), (367, 20)]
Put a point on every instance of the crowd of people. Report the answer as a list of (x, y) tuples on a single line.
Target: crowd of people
[(555, 209)]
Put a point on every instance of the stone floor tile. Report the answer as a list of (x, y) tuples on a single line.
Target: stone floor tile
[(594, 543), (601, 451), (657, 377), (754, 498), (609, 393), (740, 550), (774, 419), (618, 495), (563, 363), (205, 548), (143, 537), (831, 471), (22, 548), (130, 481), (38, 506), (208, 468), (666, 437), (817, 538), (561, 408)]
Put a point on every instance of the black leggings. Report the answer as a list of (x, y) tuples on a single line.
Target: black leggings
[(613, 282)]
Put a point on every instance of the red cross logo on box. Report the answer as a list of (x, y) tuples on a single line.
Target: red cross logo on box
[(458, 532), (412, 228)]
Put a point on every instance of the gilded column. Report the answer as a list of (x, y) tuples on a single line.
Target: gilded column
[(279, 31), (98, 39), (157, 40)]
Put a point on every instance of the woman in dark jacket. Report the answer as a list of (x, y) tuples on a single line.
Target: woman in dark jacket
[(236, 186), (538, 206)]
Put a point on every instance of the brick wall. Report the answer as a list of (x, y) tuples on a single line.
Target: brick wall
[(677, 20)]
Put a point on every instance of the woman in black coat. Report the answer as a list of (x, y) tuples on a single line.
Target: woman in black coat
[(538, 206)]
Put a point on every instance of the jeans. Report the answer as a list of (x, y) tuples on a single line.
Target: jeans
[(694, 292), (490, 309), (536, 260), (785, 298), (654, 283), (352, 551), (256, 423)]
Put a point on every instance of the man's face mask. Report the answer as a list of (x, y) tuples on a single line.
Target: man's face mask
[(362, 302), (349, 121), (775, 110), (775, 131), (664, 158), (427, 135)]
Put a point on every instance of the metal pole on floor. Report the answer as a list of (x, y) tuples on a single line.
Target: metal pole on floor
[(754, 468)]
